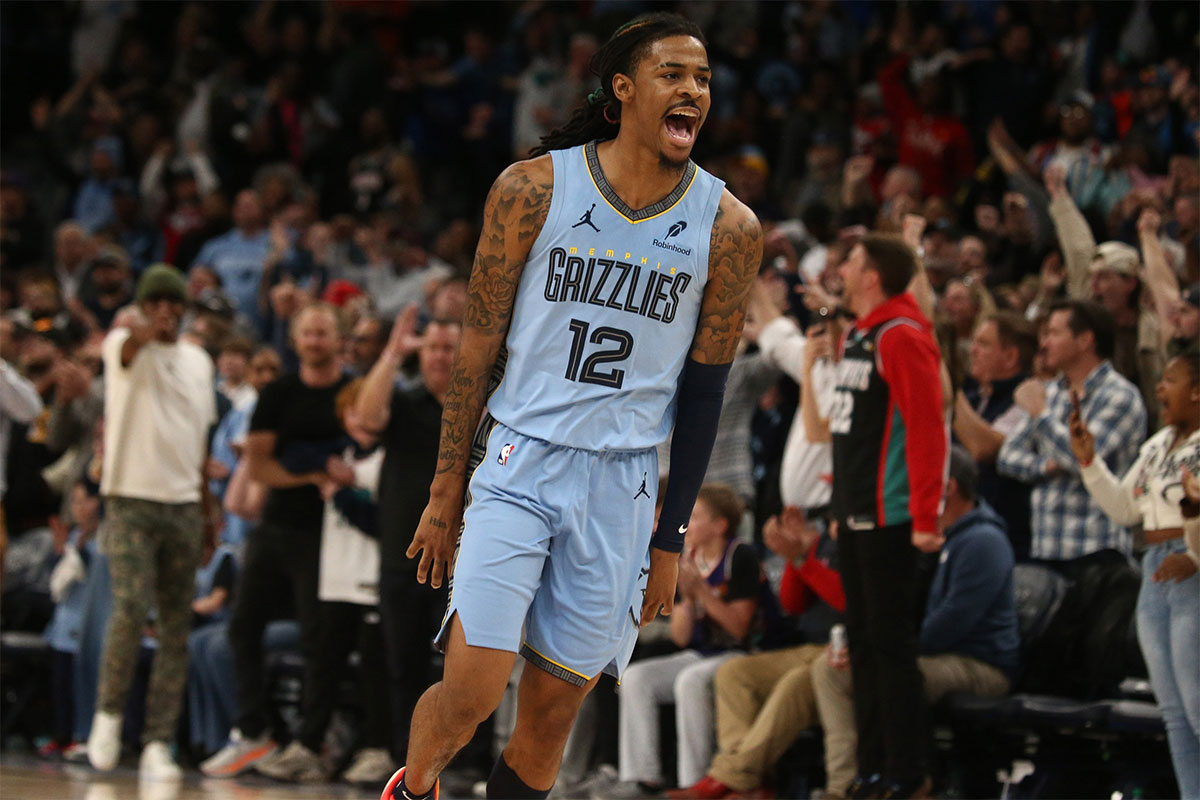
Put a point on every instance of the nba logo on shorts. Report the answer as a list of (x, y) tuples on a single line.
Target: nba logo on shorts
[(505, 452)]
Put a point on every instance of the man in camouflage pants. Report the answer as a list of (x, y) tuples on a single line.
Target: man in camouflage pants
[(158, 403)]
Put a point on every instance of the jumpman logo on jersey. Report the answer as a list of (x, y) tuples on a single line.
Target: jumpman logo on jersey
[(642, 491), (586, 219)]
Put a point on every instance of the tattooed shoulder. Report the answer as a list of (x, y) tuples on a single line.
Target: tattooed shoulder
[(734, 257), (522, 195), (513, 216)]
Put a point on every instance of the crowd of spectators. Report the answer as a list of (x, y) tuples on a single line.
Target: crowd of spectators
[(316, 172)]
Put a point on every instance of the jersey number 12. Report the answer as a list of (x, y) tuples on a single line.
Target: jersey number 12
[(585, 369)]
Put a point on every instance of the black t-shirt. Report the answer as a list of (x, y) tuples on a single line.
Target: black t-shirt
[(738, 577), (410, 445), (296, 412)]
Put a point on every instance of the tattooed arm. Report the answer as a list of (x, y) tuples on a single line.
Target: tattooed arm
[(735, 254), (514, 213), (734, 258)]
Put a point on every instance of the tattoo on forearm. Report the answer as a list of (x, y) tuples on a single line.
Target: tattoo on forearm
[(514, 214), (735, 254)]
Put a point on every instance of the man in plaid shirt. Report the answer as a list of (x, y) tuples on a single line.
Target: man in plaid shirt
[(1077, 342)]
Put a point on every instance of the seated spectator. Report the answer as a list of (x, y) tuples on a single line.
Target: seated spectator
[(985, 411), (968, 640), (214, 585), (720, 588), (233, 363), (764, 700), (209, 692), (67, 590), (1168, 606)]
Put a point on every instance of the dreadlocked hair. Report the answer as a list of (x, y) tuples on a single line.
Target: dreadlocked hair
[(600, 116)]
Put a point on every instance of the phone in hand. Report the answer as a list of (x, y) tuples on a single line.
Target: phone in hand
[(1075, 404)]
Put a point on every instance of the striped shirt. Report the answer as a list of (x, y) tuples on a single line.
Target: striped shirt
[(1067, 522)]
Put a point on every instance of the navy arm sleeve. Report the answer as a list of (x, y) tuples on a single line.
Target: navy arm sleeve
[(701, 390)]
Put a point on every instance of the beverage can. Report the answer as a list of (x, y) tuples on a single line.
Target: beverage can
[(837, 638)]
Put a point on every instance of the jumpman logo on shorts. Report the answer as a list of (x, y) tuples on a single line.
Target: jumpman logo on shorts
[(586, 219), (642, 491)]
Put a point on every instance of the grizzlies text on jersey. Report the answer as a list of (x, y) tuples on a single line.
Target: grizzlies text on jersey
[(606, 310)]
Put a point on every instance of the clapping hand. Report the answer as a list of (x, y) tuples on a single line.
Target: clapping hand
[(789, 534), (690, 580), (339, 471), (1083, 444), (1031, 396)]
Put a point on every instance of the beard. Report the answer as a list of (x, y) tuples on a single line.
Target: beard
[(668, 164), (317, 359)]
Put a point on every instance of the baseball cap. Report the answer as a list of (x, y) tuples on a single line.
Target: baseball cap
[(162, 280), (1117, 256), (1079, 97), (111, 254), (214, 301)]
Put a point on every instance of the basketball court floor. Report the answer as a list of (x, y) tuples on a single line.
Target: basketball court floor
[(24, 777)]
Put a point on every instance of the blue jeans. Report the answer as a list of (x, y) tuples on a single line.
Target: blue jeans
[(1168, 620)]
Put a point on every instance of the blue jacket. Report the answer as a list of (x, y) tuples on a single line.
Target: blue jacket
[(971, 610)]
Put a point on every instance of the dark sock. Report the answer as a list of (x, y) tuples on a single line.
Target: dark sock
[(503, 784), (402, 792)]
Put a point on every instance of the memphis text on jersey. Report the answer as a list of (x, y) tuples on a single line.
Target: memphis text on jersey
[(598, 277)]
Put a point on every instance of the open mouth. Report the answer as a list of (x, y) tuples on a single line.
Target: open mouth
[(681, 125)]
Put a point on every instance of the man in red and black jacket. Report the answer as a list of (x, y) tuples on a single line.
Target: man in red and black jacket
[(889, 466)]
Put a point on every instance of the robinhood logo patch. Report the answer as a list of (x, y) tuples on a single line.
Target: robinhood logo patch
[(673, 231)]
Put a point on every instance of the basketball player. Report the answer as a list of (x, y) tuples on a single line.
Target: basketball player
[(611, 274)]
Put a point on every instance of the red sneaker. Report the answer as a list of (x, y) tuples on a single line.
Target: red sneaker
[(707, 788), (49, 749), (394, 781)]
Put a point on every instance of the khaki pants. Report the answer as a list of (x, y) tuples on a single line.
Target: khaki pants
[(764, 701), (835, 701), (153, 550)]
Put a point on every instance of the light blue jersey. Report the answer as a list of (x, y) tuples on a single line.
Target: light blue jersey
[(606, 310)]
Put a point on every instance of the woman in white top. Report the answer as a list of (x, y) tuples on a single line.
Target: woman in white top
[(1168, 609)]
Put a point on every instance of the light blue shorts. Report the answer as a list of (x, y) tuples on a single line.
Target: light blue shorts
[(554, 553)]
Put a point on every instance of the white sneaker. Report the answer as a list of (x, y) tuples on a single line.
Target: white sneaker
[(239, 755), (104, 742), (157, 764), (296, 764), (371, 765)]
